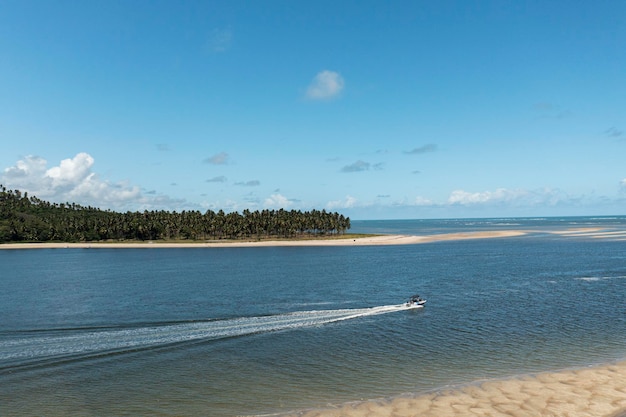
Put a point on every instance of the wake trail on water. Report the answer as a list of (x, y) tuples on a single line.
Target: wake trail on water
[(29, 348)]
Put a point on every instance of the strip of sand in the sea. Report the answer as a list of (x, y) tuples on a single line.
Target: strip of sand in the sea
[(360, 241), (598, 391)]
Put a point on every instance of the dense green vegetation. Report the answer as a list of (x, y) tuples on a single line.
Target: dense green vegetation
[(29, 219)]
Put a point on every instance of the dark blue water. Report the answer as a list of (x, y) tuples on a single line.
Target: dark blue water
[(240, 331)]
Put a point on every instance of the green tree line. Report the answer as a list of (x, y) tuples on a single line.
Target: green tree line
[(29, 219)]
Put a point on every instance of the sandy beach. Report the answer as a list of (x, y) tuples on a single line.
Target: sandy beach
[(598, 391), (594, 233), (362, 241)]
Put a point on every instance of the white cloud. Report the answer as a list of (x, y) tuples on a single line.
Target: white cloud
[(25, 170), (546, 197), (347, 202), (71, 172), (421, 201), (622, 184), (500, 195), (325, 85), (277, 201), (71, 181)]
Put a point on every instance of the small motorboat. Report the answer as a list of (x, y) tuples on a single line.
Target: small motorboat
[(415, 301)]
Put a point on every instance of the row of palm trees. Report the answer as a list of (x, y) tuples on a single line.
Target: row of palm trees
[(24, 218)]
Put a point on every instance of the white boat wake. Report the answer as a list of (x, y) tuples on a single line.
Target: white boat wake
[(33, 347)]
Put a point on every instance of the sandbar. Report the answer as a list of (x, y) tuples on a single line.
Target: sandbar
[(359, 241), (377, 240), (598, 391)]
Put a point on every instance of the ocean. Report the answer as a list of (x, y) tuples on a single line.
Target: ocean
[(274, 330)]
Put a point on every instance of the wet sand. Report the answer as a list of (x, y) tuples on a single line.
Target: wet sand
[(598, 391), (361, 241)]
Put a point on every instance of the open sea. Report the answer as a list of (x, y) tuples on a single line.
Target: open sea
[(272, 330)]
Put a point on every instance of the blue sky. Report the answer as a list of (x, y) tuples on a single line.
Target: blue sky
[(378, 110)]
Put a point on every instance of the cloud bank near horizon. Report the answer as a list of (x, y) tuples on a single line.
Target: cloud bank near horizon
[(74, 180)]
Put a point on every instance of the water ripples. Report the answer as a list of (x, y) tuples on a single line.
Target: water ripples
[(65, 344)]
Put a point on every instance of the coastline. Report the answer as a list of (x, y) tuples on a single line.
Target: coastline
[(360, 241), (597, 389), (592, 391)]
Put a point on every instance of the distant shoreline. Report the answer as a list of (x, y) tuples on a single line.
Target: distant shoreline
[(379, 240)]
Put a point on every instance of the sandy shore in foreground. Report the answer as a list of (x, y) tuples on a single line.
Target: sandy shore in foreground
[(363, 241), (595, 391)]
